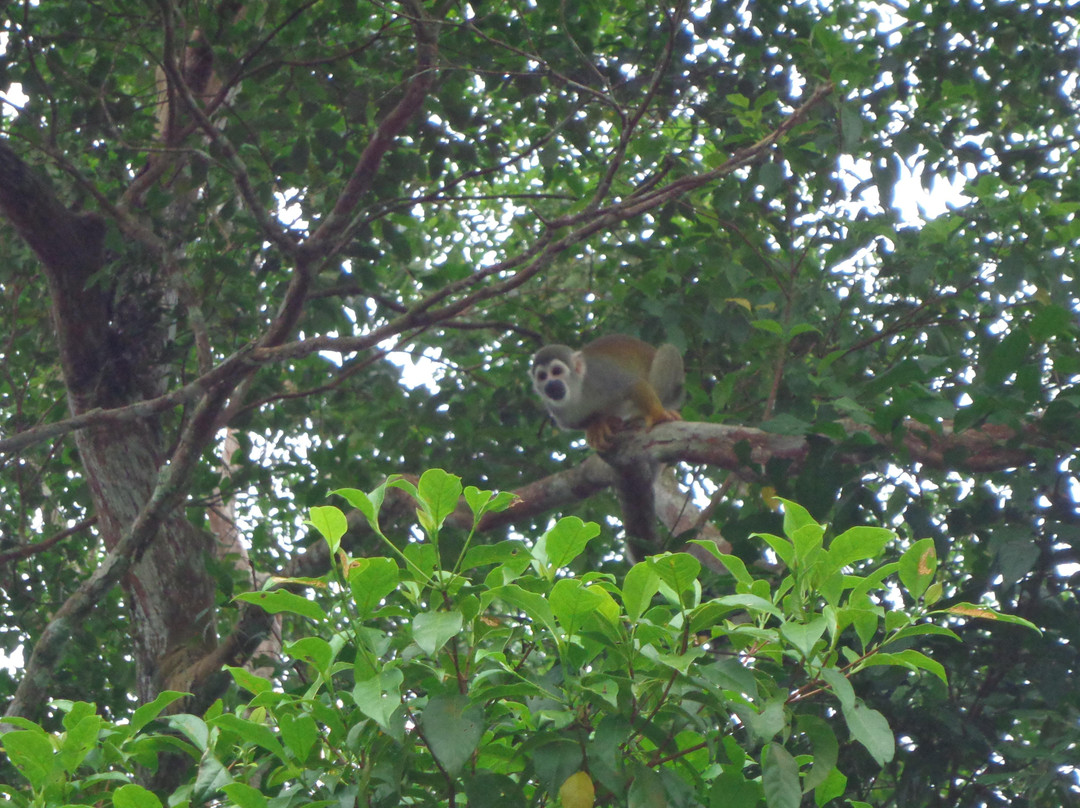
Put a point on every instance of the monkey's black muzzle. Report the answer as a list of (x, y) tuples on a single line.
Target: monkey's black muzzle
[(554, 390)]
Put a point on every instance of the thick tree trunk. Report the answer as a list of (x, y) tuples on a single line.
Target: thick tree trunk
[(107, 363)]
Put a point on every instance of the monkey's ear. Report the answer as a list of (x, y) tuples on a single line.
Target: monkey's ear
[(577, 363)]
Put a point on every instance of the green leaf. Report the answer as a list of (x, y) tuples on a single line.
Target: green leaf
[(299, 733), (834, 785), (910, 659), (572, 603), (371, 580), (871, 729), (917, 567), (804, 635), (677, 570), (380, 696), (567, 540), (244, 795), (780, 777), (192, 727), (825, 748), (784, 549), (639, 586), (857, 544), (796, 517), (148, 712), (247, 680), (80, 738), (135, 796), (481, 502), (368, 504), (452, 729), (31, 752), (752, 603), (251, 731), (734, 564), (432, 630), (841, 687), (331, 524), (534, 606), (510, 551), (438, 492), (315, 650), (1007, 357), (278, 600)]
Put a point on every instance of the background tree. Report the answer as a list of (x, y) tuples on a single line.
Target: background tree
[(224, 217)]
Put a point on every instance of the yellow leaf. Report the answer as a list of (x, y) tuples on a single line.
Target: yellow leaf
[(577, 791), (768, 496)]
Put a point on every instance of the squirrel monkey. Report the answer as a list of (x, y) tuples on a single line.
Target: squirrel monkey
[(607, 382)]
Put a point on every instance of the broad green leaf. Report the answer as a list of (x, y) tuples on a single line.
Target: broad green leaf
[(871, 729), (247, 680), (439, 493), (80, 738), (780, 777), (833, 786), (315, 650), (567, 540), (752, 603), (368, 505), (135, 796), (511, 551), (533, 605), (732, 790), (796, 517), (646, 790), (841, 687), (824, 747), (857, 544), (278, 600), (148, 712), (251, 731), (734, 564), (331, 524), (31, 752), (677, 570), (371, 580), (806, 539), (192, 727), (572, 603), (783, 548), (298, 732), (639, 586), (917, 567), (804, 635), (769, 721), (481, 502), (910, 659), (244, 795), (380, 696), (452, 729), (432, 630)]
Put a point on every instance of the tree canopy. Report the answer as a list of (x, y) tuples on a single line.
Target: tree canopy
[(256, 253)]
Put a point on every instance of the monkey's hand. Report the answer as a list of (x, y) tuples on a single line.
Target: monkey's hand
[(599, 432)]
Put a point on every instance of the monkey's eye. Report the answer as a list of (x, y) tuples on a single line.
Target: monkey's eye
[(541, 375), (556, 370)]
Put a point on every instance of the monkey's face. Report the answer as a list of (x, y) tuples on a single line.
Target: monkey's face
[(549, 380), (556, 377)]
